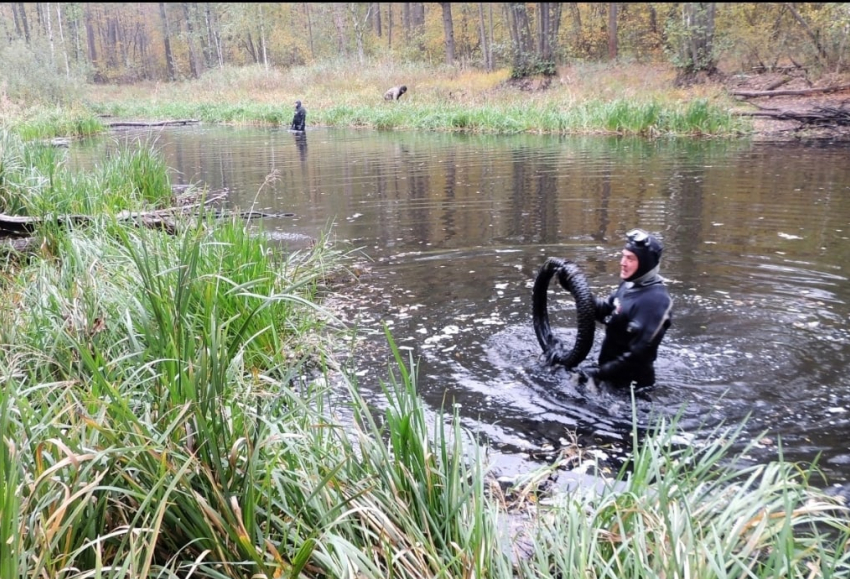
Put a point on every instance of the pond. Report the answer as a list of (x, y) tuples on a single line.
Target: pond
[(455, 228)]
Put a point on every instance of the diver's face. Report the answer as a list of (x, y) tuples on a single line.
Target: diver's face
[(628, 264)]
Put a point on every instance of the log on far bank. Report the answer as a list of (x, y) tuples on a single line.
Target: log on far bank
[(177, 122)]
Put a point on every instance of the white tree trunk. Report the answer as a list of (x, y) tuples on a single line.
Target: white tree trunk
[(62, 38), (50, 37)]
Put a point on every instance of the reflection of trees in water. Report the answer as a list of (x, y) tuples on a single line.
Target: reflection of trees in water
[(533, 196), (448, 208)]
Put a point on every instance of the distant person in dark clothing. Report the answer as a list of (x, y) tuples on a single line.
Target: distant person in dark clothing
[(395, 93), (300, 117), (636, 317)]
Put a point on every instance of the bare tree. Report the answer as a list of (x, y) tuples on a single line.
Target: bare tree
[(90, 40), (698, 39), (612, 31), (449, 32), (376, 12), (194, 64), (360, 26), (339, 21), (21, 13), (62, 38), (166, 38), (214, 52), (309, 28), (485, 47), (389, 25)]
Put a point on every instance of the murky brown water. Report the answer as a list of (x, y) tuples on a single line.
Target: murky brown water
[(757, 256)]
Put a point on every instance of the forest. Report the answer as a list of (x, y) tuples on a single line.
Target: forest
[(120, 43)]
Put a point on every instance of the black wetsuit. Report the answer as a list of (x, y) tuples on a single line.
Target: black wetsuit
[(300, 119), (636, 315)]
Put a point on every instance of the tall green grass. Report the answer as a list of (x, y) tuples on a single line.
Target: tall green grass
[(60, 121), (35, 181), (695, 511)]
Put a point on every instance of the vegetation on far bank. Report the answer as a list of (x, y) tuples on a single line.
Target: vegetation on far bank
[(636, 100), (172, 406)]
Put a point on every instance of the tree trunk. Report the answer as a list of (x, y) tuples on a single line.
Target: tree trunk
[(62, 39), (417, 14), (543, 50), (612, 31), (194, 65), (554, 27), (490, 31), (92, 43), (485, 53), (17, 20), (699, 36), (22, 12), (309, 29), (376, 10), (449, 32), (263, 39), (213, 35), (149, 66), (389, 25), (166, 37), (405, 20), (50, 38), (339, 21), (822, 55)]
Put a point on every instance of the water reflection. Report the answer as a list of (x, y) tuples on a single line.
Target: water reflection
[(301, 145), (756, 254)]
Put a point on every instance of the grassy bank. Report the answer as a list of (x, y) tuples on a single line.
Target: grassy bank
[(171, 406), (580, 100)]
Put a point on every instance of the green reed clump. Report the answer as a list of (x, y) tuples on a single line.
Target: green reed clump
[(35, 181), (685, 511), (46, 123)]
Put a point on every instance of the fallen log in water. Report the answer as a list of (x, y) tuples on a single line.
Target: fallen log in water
[(178, 122), (23, 226)]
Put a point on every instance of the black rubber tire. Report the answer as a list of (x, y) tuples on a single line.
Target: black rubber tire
[(572, 279)]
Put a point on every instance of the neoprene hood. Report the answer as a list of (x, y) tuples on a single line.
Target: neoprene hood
[(648, 250)]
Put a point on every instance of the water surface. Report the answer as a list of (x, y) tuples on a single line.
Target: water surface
[(456, 226)]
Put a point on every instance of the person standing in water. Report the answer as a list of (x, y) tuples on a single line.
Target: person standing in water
[(299, 120), (636, 317)]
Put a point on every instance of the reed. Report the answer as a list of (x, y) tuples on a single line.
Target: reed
[(42, 122), (699, 511)]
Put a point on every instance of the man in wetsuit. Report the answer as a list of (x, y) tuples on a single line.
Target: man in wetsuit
[(300, 117), (636, 317)]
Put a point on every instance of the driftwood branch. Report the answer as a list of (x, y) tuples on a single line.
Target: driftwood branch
[(22, 226), (832, 116), (152, 123), (789, 92)]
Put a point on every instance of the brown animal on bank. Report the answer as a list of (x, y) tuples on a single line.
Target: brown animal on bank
[(395, 93)]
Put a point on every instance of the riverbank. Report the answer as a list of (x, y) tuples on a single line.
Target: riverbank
[(581, 100), (633, 100)]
